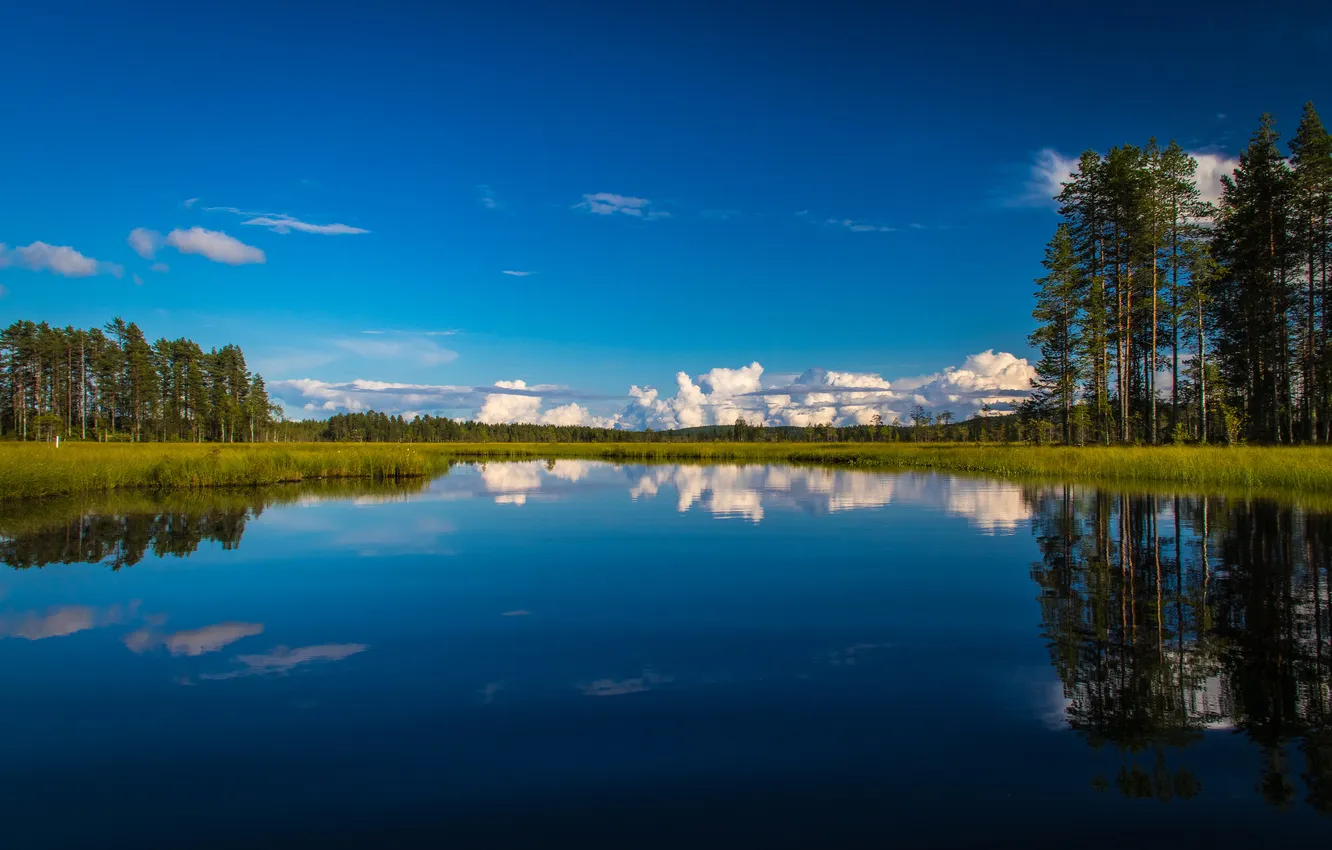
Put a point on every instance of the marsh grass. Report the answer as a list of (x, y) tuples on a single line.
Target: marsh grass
[(29, 471)]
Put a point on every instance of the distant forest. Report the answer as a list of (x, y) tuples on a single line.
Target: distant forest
[(383, 428), (1144, 278)]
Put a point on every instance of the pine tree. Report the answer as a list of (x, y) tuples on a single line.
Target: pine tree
[(1311, 214), (1251, 297), (1058, 335)]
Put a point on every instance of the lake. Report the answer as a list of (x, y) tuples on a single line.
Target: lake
[(520, 654)]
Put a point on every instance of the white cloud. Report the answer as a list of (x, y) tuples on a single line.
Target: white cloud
[(515, 273), (1211, 168), (145, 242), (189, 202), (138, 281), (719, 396), (286, 224), (609, 203), (160, 268), (486, 197), (215, 245), (1050, 170), (57, 259), (821, 397), (283, 223)]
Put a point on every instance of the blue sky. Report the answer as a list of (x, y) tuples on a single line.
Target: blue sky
[(687, 186)]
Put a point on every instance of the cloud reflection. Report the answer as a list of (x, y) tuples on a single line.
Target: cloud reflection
[(63, 620), (619, 687), (193, 642), (282, 659)]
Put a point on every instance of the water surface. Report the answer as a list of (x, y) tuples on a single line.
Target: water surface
[(519, 653)]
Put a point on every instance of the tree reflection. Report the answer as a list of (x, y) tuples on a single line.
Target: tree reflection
[(1169, 616), (120, 530)]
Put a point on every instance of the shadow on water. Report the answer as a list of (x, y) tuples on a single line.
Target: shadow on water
[(1168, 617), (121, 529)]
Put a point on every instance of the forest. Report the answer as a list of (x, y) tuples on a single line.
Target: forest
[(1165, 318), (111, 384)]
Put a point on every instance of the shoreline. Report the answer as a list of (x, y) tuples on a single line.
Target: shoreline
[(38, 470)]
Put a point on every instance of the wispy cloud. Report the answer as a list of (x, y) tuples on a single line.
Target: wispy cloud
[(283, 223), (57, 259), (160, 268), (215, 245), (138, 281), (145, 242), (609, 203), (513, 273), (423, 351), (860, 226), (485, 196), (189, 202)]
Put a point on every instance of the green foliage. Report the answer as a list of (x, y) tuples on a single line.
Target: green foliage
[(109, 384)]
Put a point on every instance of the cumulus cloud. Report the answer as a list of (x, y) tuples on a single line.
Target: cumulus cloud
[(609, 203), (57, 259), (145, 242), (1050, 170), (215, 245), (719, 396), (822, 397), (523, 404)]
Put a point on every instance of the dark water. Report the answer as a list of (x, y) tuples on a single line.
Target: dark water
[(576, 654)]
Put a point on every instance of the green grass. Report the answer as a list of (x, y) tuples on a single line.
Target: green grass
[(35, 471)]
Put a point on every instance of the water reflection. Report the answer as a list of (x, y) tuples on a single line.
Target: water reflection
[(1167, 617), (121, 529), (748, 492)]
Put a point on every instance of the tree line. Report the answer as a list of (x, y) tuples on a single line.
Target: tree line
[(110, 383), (1146, 279), (375, 427)]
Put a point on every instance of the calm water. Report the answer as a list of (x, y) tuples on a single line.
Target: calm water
[(664, 656)]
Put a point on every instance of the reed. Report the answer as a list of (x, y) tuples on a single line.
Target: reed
[(30, 471)]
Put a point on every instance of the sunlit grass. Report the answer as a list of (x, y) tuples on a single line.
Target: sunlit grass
[(34, 471)]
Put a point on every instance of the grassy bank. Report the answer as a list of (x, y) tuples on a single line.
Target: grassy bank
[(35, 471), (30, 470)]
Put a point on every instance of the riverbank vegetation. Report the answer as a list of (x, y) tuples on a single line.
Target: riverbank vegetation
[(36, 470)]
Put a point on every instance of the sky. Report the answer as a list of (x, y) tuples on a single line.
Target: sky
[(618, 214)]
